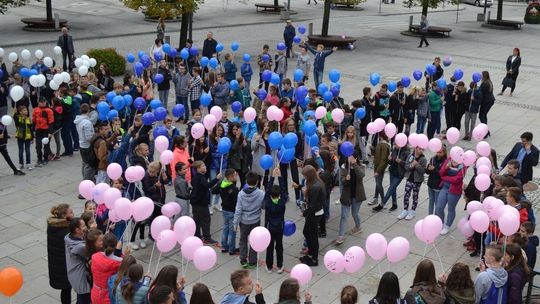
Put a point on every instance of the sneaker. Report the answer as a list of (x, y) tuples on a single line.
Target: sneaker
[(356, 230), (29, 167), (403, 214), (340, 240), (218, 208), (224, 250), (474, 254), (249, 266), (58, 157), (19, 172), (235, 252), (373, 202), (280, 270), (243, 264), (444, 230), (394, 207), (38, 165), (142, 244), (21, 167), (377, 208), (411, 215), (268, 270), (210, 242), (211, 210), (322, 234), (337, 202), (134, 246), (309, 261), (80, 197)]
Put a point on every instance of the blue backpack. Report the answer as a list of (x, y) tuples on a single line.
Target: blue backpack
[(496, 295)]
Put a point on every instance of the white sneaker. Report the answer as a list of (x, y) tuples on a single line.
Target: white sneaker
[(211, 210), (411, 215), (134, 246), (373, 202), (338, 202), (143, 244), (403, 214), (218, 208), (445, 230), (29, 167), (280, 270), (269, 270)]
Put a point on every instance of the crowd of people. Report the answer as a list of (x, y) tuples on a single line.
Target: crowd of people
[(88, 253)]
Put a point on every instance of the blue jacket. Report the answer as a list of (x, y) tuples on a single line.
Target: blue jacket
[(288, 34), (248, 129), (275, 213), (138, 298), (318, 61), (216, 158), (41, 68), (220, 93), (246, 71), (233, 298), (230, 70)]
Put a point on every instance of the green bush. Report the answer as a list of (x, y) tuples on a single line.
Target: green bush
[(111, 58), (532, 14)]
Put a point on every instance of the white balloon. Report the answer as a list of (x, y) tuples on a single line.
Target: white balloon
[(86, 63), (34, 81), (6, 120), (66, 77), (83, 70), (57, 50), (58, 78), (53, 85), (38, 54), (85, 57), (16, 93), (93, 62), (25, 54), (41, 79), (1, 52), (45, 140), (13, 56), (48, 62), (78, 62)]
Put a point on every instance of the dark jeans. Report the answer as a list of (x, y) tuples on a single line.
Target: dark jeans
[(5, 154), (261, 81), (184, 101), (65, 296), (434, 124), (245, 230), (68, 57), (75, 136), (484, 109), (379, 188), (289, 48), (83, 298), (201, 216), (65, 132), (139, 226), (277, 240), (423, 39), (43, 151), (87, 171), (294, 174), (24, 150), (311, 235), (392, 190), (195, 104)]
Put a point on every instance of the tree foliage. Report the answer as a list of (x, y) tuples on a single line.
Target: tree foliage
[(426, 4), (164, 8), (6, 4)]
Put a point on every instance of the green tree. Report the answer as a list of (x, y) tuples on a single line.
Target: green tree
[(6, 4), (427, 4)]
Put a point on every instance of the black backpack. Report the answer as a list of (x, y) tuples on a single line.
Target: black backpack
[(92, 159)]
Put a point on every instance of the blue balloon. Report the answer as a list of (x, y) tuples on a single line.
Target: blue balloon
[(275, 80), (236, 107), (346, 148), (233, 85), (281, 46), (360, 113), (102, 117), (266, 162), (130, 58), (194, 51), (140, 54), (128, 100), (458, 74), (261, 94), (173, 53), (476, 77), (308, 114), (313, 140), (118, 102), (112, 114), (302, 29), (213, 62), (139, 103), (441, 83), (265, 57), (219, 47), (298, 75), (158, 56), (309, 127), (405, 81), (246, 57), (235, 46), (301, 93), (417, 75), (204, 62), (139, 68), (297, 39), (289, 228), (148, 119), (166, 48), (275, 140), (158, 78), (160, 113), (431, 69), (266, 75), (160, 131), (224, 145), (290, 140), (304, 102), (156, 103), (103, 107), (24, 72), (328, 96), (184, 53), (146, 64), (110, 96), (374, 79), (205, 99), (285, 156), (1, 73), (334, 75), (336, 85), (322, 88), (392, 86), (335, 91), (178, 110), (33, 72)]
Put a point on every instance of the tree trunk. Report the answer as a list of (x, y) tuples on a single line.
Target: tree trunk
[(326, 18), (184, 27), (424, 9), (49, 10), (499, 9), (276, 2)]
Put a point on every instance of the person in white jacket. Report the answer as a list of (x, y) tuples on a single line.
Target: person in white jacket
[(85, 129)]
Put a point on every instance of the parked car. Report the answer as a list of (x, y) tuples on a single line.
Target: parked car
[(480, 3)]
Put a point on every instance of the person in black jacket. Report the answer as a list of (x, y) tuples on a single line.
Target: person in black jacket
[(288, 36), (4, 150), (314, 194), (200, 199), (165, 85), (486, 93), (229, 195), (527, 154), (512, 71), (462, 100), (274, 201), (438, 73), (57, 228), (209, 45), (154, 188), (434, 178), (65, 41), (397, 107)]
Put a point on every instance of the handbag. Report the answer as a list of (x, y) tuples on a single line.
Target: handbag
[(508, 81)]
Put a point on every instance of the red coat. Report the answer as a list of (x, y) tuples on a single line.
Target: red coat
[(286, 114), (42, 118), (456, 181), (103, 267)]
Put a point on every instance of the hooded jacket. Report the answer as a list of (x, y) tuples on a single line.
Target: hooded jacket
[(517, 278), (249, 206), (42, 118), (57, 228), (229, 194), (530, 250), (423, 290), (418, 170), (75, 264), (233, 298), (85, 129), (274, 219), (484, 280), (464, 297)]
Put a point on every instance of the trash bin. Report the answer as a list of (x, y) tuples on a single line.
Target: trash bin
[(480, 17)]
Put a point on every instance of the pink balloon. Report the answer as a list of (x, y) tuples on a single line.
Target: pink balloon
[(250, 114), (354, 259), (142, 208), (166, 157), (217, 112), (114, 171), (465, 228), (376, 246), (483, 148), (472, 206), (205, 258), (259, 238), (184, 227), (159, 224), (497, 204), (161, 143), (422, 141), (110, 196), (177, 208), (123, 208), (131, 174), (371, 128), (482, 182), (431, 228), (435, 145), (189, 246), (413, 139), (209, 121), (380, 123), (320, 112), (140, 172), (504, 209), (338, 115), (278, 115), (98, 192), (479, 221), (452, 135), (113, 217), (271, 113), (398, 249), (508, 224), (401, 140), (165, 241), (86, 189), (483, 161), (483, 169), (334, 261), (419, 232), (480, 131), (489, 206), (456, 153), (169, 209), (390, 130), (197, 130), (302, 273), (469, 157)]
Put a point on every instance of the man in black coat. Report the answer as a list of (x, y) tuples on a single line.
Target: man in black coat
[(527, 155), (209, 45), (288, 36), (65, 41)]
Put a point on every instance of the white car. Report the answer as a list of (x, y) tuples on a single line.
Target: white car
[(479, 3)]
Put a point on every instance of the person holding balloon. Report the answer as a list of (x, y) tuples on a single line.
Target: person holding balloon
[(303, 63), (181, 155), (318, 63), (195, 90), (415, 167), (452, 174), (275, 198), (388, 291), (397, 160), (260, 147), (147, 85), (472, 109), (435, 101), (154, 188), (246, 72), (487, 99), (397, 107), (200, 200), (434, 177), (219, 162), (230, 68), (242, 284), (238, 156), (380, 162), (425, 285), (289, 292), (43, 118), (264, 60), (314, 194)]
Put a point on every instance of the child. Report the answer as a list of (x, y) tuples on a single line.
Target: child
[(43, 118), (4, 151), (181, 188), (242, 93), (434, 177), (154, 188), (380, 162), (242, 284), (196, 117), (199, 200), (246, 71), (491, 283), (274, 201), (527, 230), (118, 227), (287, 89), (90, 207), (272, 98), (248, 216), (56, 127), (230, 68), (24, 135), (422, 112), (67, 122), (285, 106), (415, 167), (229, 195)]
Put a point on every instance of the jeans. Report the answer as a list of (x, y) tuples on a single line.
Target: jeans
[(445, 198), (354, 208), (318, 78), (75, 136), (56, 137), (87, 171), (24, 150), (484, 109), (164, 97), (392, 190), (310, 232), (362, 144), (433, 195), (434, 124), (66, 137), (83, 298), (228, 236), (245, 230), (379, 189), (67, 68), (184, 101), (421, 125), (470, 122), (276, 240), (42, 151)]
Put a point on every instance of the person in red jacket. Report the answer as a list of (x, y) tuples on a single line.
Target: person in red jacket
[(513, 197), (451, 184), (43, 118), (285, 106), (104, 264)]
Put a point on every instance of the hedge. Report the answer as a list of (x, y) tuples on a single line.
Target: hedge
[(111, 58)]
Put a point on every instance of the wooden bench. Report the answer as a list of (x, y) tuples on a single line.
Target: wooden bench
[(344, 3), (42, 23), (438, 30), (506, 23), (262, 7)]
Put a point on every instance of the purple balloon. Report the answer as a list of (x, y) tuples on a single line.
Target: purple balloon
[(139, 103), (194, 51), (173, 53)]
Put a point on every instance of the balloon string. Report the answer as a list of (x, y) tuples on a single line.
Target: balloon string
[(157, 265), (257, 267), (379, 267), (151, 256), (438, 255), (200, 276), (132, 230), (481, 246), (425, 250)]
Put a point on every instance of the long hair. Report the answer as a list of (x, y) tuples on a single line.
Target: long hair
[(388, 290), (518, 52), (349, 295), (135, 273), (311, 177), (487, 79), (459, 278), (167, 276), (515, 252), (201, 295), (289, 290), (213, 136), (345, 138), (127, 261), (328, 162), (232, 137), (493, 158), (425, 272), (91, 237), (109, 243)]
